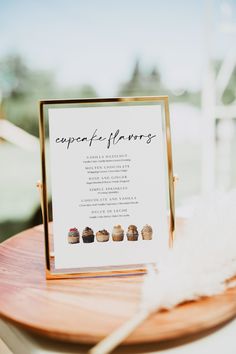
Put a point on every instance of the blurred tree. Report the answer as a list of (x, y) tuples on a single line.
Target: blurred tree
[(87, 91), (13, 76), (151, 84), (23, 87), (142, 84)]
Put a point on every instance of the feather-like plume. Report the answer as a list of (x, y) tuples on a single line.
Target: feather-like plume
[(204, 254), (203, 259)]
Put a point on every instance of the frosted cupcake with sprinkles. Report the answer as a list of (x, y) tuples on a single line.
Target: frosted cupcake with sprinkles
[(73, 236)]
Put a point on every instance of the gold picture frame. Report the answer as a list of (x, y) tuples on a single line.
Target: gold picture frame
[(51, 273)]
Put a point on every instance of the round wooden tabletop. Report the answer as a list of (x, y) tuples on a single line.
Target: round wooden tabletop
[(86, 310)]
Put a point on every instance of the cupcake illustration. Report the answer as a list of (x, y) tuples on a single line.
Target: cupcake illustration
[(117, 233), (147, 232), (102, 236), (73, 235), (132, 233), (88, 235)]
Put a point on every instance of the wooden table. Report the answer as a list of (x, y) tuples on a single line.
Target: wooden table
[(86, 310)]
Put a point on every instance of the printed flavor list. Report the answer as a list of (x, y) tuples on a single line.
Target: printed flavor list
[(107, 186)]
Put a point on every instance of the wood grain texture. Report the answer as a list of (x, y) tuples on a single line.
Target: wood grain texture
[(86, 310)]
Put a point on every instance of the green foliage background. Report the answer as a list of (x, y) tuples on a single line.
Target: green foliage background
[(21, 87)]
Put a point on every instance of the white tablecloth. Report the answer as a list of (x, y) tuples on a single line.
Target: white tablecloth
[(221, 341)]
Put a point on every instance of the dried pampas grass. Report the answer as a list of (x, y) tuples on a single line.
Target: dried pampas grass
[(203, 257)]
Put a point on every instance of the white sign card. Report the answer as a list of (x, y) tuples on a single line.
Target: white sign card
[(109, 185)]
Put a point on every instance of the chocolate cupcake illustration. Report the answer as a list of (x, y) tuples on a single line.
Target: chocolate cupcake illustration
[(132, 233), (102, 236), (88, 235), (117, 233), (147, 232), (73, 235)]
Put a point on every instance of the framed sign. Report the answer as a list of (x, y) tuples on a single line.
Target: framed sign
[(107, 165)]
